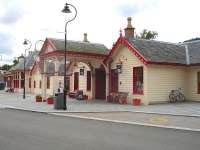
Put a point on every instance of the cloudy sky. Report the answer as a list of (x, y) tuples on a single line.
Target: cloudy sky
[(174, 20)]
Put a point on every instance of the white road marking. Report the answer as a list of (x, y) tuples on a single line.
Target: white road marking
[(128, 122)]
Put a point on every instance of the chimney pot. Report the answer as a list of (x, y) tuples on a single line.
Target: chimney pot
[(129, 30), (85, 38)]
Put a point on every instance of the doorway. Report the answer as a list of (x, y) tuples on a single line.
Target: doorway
[(76, 81), (100, 83)]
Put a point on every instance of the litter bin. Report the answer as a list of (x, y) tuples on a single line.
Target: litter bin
[(59, 101)]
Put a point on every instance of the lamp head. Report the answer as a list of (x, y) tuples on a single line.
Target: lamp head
[(66, 9), (25, 42)]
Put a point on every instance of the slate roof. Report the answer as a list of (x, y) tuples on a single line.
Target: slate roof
[(194, 51), (30, 60), (160, 52), (78, 46)]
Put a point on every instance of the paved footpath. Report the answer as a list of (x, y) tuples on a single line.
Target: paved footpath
[(156, 120), (181, 116)]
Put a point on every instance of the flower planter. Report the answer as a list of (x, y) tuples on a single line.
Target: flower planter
[(50, 101), (38, 99), (136, 102)]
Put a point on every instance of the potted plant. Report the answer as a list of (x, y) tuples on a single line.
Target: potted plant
[(50, 100), (38, 98), (136, 102)]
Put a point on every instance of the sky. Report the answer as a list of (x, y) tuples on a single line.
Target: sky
[(174, 20)]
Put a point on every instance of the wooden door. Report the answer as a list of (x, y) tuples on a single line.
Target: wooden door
[(114, 81), (100, 82), (76, 81)]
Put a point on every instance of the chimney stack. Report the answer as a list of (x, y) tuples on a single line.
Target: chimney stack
[(129, 30), (85, 38)]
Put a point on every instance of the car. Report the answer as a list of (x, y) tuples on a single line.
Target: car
[(2, 85)]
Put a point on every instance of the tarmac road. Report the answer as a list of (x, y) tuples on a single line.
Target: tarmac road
[(22, 130)]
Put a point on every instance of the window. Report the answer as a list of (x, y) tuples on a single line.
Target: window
[(29, 83), (138, 80), (198, 82), (34, 84), (48, 82), (40, 84), (88, 80)]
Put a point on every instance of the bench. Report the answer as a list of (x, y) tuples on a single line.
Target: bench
[(118, 97)]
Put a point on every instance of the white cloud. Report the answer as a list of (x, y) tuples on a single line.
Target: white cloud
[(174, 20)]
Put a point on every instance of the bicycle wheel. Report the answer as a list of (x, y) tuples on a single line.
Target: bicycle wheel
[(172, 98), (182, 97)]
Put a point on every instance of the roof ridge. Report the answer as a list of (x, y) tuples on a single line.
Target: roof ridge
[(196, 41), (157, 41), (78, 41)]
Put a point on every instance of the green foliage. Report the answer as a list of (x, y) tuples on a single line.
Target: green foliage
[(6, 67), (147, 34), (15, 61)]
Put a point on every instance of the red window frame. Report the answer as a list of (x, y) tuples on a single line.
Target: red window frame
[(48, 82), (198, 82), (88, 80), (34, 84), (29, 83), (138, 77)]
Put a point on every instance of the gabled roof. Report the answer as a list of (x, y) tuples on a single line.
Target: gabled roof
[(159, 52), (30, 60), (78, 46)]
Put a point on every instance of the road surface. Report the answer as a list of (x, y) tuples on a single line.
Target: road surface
[(22, 130)]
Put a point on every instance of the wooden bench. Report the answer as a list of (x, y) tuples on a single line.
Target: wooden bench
[(118, 97)]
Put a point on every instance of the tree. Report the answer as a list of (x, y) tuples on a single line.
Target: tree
[(6, 67), (15, 61), (147, 34)]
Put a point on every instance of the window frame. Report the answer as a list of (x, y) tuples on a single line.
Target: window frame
[(137, 79)]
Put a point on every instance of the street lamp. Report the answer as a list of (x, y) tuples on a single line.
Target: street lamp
[(26, 42), (67, 10)]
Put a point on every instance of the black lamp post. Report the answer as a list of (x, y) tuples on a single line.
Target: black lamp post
[(26, 42), (67, 10)]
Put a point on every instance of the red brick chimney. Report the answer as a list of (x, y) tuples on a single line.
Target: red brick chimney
[(129, 30)]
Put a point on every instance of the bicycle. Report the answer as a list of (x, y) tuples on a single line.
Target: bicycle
[(176, 95)]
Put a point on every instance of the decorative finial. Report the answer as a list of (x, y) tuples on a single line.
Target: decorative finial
[(120, 32)]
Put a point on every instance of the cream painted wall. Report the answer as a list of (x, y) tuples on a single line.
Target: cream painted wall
[(192, 84), (82, 78), (36, 76), (162, 79), (126, 77)]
